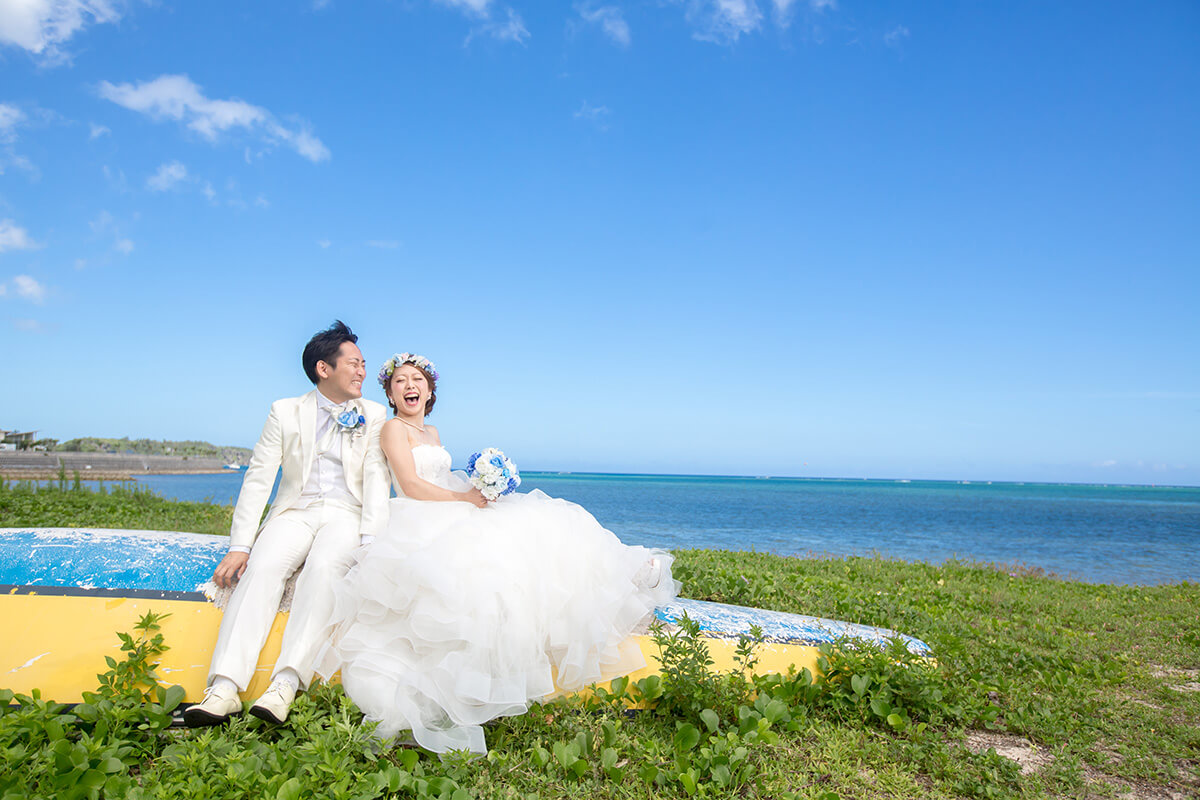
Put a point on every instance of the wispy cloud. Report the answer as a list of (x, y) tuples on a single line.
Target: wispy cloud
[(383, 244), (105, 225), (14, 237), (169, 175), (596, 115), (477, 7), (324, 244), (895, 36), (610, 19), (96, 131), (41, 27), (12, 118), (510, 29), (176, 97), (28, 288), (723, 21), (33, 326)]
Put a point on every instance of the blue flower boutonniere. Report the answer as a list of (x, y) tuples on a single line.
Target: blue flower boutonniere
[(350, 421)]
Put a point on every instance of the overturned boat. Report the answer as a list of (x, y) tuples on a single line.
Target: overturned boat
[(67, 591)]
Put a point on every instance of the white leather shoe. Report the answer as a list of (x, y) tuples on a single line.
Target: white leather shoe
[(217, 707), (275, 701)]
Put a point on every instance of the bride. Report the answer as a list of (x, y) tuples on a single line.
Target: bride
[(465, 610)]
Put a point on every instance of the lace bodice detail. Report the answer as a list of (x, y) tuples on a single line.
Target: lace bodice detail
[(433, 465)]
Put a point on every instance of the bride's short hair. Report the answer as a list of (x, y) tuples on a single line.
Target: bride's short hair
[(430, 378)]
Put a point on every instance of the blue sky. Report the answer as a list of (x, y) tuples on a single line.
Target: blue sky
[(911, 240)]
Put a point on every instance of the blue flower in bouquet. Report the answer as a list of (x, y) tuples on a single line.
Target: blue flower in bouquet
[(493, 473)]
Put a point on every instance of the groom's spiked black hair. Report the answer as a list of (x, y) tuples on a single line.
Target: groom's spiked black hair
[(324, 346)]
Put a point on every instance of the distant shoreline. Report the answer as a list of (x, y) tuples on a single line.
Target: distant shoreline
[(102, 474), (19, 474)]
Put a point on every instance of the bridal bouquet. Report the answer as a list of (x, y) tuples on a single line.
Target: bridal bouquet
[(492, 473)]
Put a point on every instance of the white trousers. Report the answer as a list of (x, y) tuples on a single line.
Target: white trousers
[(323, 537)]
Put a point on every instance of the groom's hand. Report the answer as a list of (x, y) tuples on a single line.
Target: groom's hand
[(230, 569)]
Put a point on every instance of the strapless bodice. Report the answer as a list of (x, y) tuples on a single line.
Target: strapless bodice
[(433, 464)]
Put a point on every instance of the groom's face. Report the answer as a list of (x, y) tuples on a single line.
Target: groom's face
[(343, 381)]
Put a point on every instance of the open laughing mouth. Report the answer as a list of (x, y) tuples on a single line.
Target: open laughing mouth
[(412, 399)]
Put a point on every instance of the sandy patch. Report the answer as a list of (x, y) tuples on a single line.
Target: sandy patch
[(1025, 753)]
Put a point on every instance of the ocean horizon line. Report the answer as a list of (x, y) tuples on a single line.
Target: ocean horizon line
[(848, 479)]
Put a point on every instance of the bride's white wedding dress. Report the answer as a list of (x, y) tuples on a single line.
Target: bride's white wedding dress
[(457, 615)]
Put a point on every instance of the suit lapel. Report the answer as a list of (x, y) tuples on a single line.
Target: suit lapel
[(308, 433)]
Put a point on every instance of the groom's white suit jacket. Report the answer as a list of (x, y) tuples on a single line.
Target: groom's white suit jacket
[(288, 441)]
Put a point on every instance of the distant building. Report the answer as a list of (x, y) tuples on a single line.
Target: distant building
[(21, 440)]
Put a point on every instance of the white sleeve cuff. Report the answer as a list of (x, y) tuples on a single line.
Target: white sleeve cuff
[(239, 548)]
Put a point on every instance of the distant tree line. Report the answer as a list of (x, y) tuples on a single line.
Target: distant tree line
[(153, 447)]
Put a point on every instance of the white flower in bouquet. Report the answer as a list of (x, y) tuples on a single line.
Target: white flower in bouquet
[(493, 473)]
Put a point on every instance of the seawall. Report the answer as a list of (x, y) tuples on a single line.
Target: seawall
[(101, 466)]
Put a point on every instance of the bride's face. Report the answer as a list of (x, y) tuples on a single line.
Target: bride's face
[(409, 390)]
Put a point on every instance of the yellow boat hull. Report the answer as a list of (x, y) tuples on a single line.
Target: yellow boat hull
[(58, 643)]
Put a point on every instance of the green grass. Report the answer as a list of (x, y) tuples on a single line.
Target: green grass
[(64, 504), (1094, 685)]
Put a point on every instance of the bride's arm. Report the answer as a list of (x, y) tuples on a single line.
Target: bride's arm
[(398, 449)]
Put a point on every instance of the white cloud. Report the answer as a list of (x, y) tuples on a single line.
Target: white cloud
[(324, 243), (597, 115), (10, 117), (14, 237), (96, 131), (209, 192), (893, 37), (80, 263), (41, 26), (262, 202), (511, 29), (116, 179), (723, 21), (105, 225), (175, 97), (101, 223), (611, 21), (168, 176), (476, 7), (30, 325), (383, 244), (28, 287), (1111, 462)]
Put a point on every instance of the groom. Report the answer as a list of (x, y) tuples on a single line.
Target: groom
[(332, 496)]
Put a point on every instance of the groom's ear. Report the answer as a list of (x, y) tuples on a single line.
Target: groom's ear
[(322, 369)]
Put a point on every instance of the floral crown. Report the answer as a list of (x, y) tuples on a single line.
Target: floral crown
[(395, 362)]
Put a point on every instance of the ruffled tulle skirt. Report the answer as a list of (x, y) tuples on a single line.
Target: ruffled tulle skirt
[(458, 615)]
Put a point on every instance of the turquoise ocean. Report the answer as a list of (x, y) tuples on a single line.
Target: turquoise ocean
[(1105, 534)]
